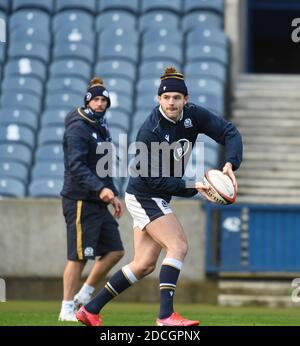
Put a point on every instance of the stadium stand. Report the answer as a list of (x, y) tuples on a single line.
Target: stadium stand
[(54, 48)]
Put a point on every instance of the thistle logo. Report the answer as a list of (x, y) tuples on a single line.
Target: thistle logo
[(2, 30), (2, 291)]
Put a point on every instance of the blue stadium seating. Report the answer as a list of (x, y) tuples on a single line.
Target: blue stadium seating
[(75, 35), (63, 50), (65, 100), (31, 34), (5, 5), (25, 67), (71, 68), (27, 84), (115, 50), (171, 52), (21, 100), (174, 5), (121, 102), (121, 19), (54, 117), (205, 69), (155, 69), (202, 35), (29, 18), (210, 101), (2, 52), (128, 5), (72, 19), (20, 117), (205, 19), (16, 134), (51, 135), (49, 152), (44, 187), (163, 35), (87, 5), (120, 85), (205, 85), (15, 170), (15, 152), (148, 85), (210, 5), (147, 102), (30, 50), (118, 119), (116, 69), (161, 19), (11, 188), (47, 5), (64, 84), (118, 35), (48, 170), (207, 52)]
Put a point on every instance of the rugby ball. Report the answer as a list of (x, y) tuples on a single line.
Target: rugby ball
[(221, 188)]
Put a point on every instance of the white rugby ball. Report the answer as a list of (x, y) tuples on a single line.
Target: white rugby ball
[(221, 188)]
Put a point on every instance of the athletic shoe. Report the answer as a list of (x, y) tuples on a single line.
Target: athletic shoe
[(67, 316), (87, 318), (176, 320), (80, 300)]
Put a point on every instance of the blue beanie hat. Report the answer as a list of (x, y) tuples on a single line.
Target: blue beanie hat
[(96, 88), (172, 80)]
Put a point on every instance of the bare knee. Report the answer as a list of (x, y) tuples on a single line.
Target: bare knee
[(178, 249), (143, 269)]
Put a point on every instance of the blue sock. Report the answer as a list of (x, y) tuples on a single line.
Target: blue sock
[(118, 283), (168, 277)]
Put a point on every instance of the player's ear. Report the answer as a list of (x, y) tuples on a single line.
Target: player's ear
[(158, 98), (186, 99)]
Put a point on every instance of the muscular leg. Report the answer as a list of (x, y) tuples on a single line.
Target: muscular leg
[(71, 280)]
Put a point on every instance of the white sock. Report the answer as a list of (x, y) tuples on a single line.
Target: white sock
[(67, 305), (86, 289)]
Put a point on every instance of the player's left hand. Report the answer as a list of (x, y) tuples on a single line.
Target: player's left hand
[(227, 169), (118, 206)]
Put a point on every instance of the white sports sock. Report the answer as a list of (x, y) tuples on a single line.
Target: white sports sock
[(67, 305), (86, 289)]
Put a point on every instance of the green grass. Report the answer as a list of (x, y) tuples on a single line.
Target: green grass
[(34, 313)]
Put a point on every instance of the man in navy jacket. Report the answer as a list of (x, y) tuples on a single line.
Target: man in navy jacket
[(175, 122), (91, 229)]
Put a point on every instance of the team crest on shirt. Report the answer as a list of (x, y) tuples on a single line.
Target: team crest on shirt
[(88, 251), (94, 135), (188, 123), (182, 148), (167, 138)]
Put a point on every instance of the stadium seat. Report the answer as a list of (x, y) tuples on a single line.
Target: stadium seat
[(169, 52), (162, 35), (25, 67), (21, 100), (204, 5), (155, 69), (44, 187), (147, 102), (174, 5), (5, 5), (210, 101), (26, 84), (63, 50), (118, 119), (87, 5), (69, 84), (109, 19), (139, 118), (71, 68), (75, 35), (65, 100), (121, 102), (120, 50), (47, 5), (10, 187), (128, 5), (19, 117), (205, 69), (15, 134), (207, 52), (118, 35), (115, 69), (205, 85), (120, 85), (2, 54), (161, 19), (29, 18), (115, 132), (207, 36), (205, 19), (148, 85), (50, 135), (26, 49), (31, 34), (49, 152), (54, 117), (47, 170), (72, 19), (15, 170), (15, 152)]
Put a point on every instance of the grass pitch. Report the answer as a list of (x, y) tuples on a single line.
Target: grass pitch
[(35, 313)]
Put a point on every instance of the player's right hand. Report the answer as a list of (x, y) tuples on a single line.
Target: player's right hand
[(202, 189), (107, 195)]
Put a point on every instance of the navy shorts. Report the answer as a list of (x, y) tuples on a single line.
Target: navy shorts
[(91, 230)]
